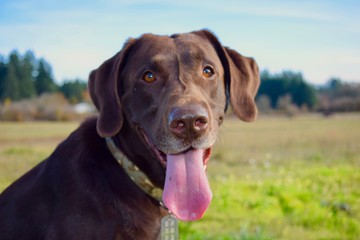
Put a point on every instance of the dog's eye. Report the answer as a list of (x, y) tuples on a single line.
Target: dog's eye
[(208, 72), (148, 77)]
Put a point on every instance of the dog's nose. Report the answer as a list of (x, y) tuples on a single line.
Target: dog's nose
[(188, 122)]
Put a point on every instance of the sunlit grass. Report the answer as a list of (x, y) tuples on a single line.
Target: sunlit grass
[(276, 178), (23, 145)]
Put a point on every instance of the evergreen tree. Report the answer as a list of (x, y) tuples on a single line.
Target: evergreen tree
[(3, 71), (73, 90), (11, 81), (26, 79), (44, 81), (287, 83)]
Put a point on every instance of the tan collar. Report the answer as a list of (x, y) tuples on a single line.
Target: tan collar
[(138, 177)]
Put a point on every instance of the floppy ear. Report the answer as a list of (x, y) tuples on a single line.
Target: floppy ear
[(241, 76), (244, 84), (103, 88)]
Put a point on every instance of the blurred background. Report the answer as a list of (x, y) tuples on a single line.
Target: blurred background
[(293, 174)]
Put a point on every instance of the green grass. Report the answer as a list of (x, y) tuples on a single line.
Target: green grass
[(277, 178)]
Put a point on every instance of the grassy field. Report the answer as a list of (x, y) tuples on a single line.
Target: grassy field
[(277, 178)]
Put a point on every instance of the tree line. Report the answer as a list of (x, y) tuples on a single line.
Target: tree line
[(287, 83), (25, 76), (289, 92)]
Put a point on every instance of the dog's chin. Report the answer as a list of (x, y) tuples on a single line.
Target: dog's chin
[(161, 154)]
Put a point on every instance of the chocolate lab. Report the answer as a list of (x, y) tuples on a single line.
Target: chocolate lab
[(161, 100)]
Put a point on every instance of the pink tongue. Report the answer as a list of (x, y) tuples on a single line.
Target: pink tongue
[(187, 193)]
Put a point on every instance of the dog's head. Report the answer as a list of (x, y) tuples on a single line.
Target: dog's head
[(174, 92)]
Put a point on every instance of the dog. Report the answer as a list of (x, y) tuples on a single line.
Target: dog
[(161, 100)]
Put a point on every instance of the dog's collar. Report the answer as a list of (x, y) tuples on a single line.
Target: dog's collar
[(136, 175)]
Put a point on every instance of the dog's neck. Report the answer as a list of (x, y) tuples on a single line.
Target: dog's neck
[(135, 174)]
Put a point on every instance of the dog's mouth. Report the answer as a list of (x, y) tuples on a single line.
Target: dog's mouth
[(162, 157), (187, 193)]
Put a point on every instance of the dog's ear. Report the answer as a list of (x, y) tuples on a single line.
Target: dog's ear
[(103, 88), (241, 78), (244, 84)]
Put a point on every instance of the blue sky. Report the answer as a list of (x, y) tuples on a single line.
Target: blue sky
[(319, 38)]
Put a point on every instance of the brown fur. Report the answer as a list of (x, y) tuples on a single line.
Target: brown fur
[(80, 191)]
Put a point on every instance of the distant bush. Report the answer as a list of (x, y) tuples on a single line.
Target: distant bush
[(263, 103), (285, 105), (339, 96), (50, 107)]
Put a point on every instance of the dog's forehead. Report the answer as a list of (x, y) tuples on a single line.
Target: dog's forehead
[(157, 48)]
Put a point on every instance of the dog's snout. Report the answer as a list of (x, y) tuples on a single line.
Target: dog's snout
[(188, 122)]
